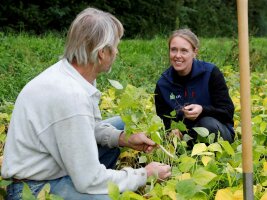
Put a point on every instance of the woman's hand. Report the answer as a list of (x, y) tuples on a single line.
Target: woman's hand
[(192, 111)]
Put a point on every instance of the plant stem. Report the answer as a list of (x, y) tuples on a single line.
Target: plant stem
[(165, 151)]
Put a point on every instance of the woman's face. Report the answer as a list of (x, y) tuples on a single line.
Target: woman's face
[(181, 55)]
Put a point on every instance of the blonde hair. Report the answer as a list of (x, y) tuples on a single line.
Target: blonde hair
[(91, 31), (186, 34)]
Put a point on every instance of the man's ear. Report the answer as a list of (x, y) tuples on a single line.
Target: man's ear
[(101, 55)]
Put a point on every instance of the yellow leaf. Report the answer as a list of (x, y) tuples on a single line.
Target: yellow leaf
[(111, 93), (45, 190), (206, 154), (224, 194), (205, 160), (199, 148), (235, 100), (264, 102), (257, 188), (238, 195), (264, 197), (239, 169), (184, 176), (2, 128), (263, 126), (264, 183), (170, 193), (265, 166), (128, 154)]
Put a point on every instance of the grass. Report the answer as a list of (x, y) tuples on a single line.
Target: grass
[(140, 62)]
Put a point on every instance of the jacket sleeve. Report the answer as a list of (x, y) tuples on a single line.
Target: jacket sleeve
[(222, 107), (161, 108)]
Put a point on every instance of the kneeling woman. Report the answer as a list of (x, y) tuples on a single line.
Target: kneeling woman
[(195, 89)]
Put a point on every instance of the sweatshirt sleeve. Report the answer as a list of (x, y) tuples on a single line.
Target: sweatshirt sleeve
[(107, 135), (222, 107), (77, 154)]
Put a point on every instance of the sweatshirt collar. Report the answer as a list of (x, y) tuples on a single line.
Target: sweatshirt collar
[(68, 68)]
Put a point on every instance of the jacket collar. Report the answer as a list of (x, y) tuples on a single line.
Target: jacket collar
[(197, 69)]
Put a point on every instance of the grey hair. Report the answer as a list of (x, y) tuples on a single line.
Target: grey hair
[(91, 31), (186, 34)]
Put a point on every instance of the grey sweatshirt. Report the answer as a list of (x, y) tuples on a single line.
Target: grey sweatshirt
[(54, 132)]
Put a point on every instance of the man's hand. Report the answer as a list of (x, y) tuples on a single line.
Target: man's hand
[(162, 171), (137, 141)]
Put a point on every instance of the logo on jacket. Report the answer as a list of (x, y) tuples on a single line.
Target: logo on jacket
[(172, 96)]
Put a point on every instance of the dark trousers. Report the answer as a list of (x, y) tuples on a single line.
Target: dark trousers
[(214, 126)]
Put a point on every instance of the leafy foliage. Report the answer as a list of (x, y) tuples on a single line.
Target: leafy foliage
[(141, 18), (211, 170)]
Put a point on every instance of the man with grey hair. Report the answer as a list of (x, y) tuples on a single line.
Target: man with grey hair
[(56, 134)]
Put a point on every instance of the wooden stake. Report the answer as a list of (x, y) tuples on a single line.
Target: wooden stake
[(247, 165)]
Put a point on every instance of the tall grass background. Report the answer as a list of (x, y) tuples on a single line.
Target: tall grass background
[(139, 62)]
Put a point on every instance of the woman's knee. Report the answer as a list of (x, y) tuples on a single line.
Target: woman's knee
[(216, 127), (209, 123)]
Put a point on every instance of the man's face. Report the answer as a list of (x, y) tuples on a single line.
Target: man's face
[(108, 58)]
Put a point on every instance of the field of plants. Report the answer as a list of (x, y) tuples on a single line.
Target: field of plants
[(211, 170)]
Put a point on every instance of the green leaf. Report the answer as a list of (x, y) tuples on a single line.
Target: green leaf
[(156, 137), (55, 197), (215, 147), (187, 137), (129, 195), (3, 116), (142, 159), (173, 113), (134, 118), (263, 126), (116, 84), (187, 188), (203, 177), (4, 183), (202, 131), (199, 196), (3, 137), (169, 189), (211, 138), (27, 193), (178, 125), (186, 163), (155, 124), (113, 191), (227, 147), (156, 191), (257, 119)]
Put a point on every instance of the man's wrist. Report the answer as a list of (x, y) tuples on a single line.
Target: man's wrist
[(122, 140)]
